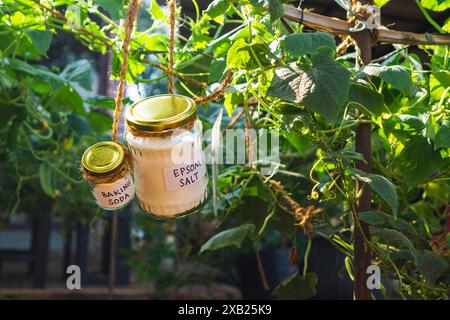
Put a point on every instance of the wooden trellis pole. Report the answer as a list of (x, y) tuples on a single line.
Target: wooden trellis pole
[(363, 131)]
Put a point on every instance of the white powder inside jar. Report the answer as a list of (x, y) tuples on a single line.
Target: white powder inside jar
[(164, 186)]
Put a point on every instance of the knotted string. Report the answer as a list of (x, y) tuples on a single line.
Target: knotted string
[(171, 4), (129, 26)]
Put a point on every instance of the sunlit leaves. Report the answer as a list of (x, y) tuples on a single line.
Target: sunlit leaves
[(436, 5), (156, 11), (244, 56)]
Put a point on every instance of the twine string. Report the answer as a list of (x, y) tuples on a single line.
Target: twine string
[(129, 26), (172, 10), (171, 4)]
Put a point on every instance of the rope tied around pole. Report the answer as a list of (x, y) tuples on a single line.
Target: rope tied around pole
[(129, 26), (360, 16)]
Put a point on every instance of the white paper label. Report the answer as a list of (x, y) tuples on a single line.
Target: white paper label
[(184, 175), (114, 195)]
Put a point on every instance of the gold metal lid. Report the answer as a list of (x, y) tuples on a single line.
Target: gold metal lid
[(161, 112), (103, 157)]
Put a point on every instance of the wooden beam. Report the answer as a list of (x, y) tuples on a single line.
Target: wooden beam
[(335, 25)]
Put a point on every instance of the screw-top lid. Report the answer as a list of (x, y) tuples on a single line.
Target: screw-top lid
[(103, 157), (161, 112)]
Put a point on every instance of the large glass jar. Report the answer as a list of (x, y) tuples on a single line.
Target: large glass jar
[(164, 137)]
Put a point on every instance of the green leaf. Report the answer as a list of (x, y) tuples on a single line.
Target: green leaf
[(217, 8), (65, 99), (403, 226), (446, 26), (417, 161), (436, 5), (230, 237), (99, 121), (105, 102), (398, 76), (217, 70), (368, 100), (442, 139), (46, 179), (395, 238), (275, 7), (41, 39), (296, 287), (380, 3), (431, 266), (156, 11), (299, 44), (232, 100), (78, 72), (113, 7), (322, 88), (242, 56), (299, 142), (374, 218), (385, 189), (79, 124)]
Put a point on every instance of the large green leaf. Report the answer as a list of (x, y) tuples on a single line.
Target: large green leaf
[(299, 44), (442, 139), (436, 5), (398, 76), (322, 88), (229, 237), (417, 161), (431, 265), (296, 287), (382, 186), (374, 218), (385, 189), (78, 72), (395, 238), (41, 39), (299, 142), (65, 99), (366, 99)]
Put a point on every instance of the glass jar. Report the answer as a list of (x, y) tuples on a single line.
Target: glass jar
[(109, 176), (164, 138)]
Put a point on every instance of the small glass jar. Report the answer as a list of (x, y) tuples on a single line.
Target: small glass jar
[(164, 138), (106, 170)]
